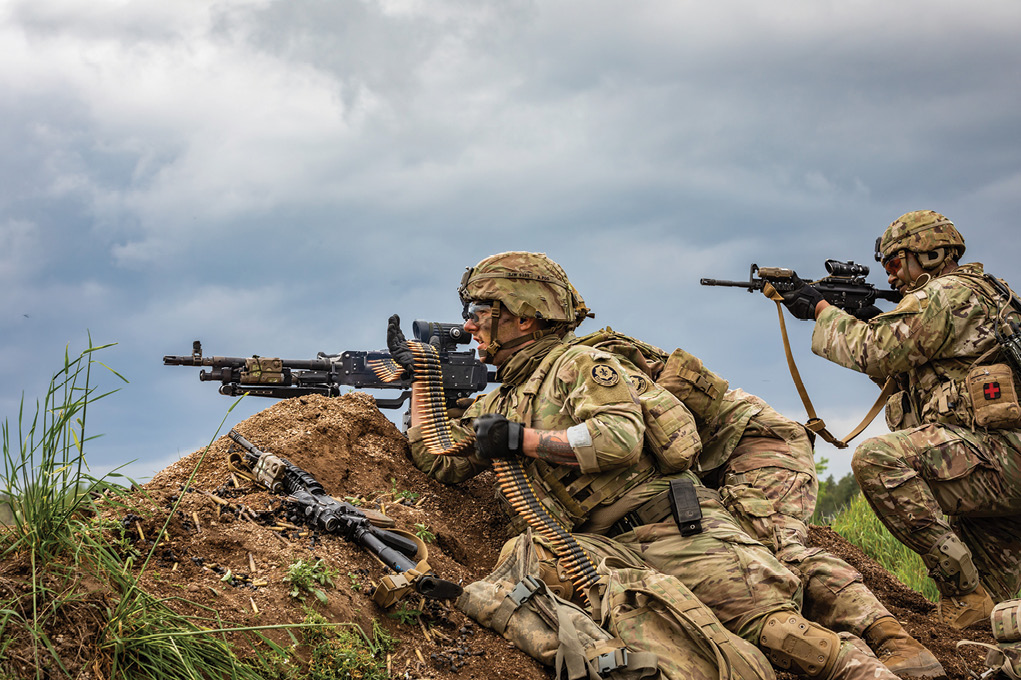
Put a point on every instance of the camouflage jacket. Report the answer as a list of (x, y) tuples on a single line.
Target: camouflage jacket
[(572, 386), (928, 343)]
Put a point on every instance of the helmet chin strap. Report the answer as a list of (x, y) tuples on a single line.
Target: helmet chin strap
[(495, 345)]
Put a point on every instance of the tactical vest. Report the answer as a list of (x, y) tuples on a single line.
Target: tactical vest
[(567, 493), (949, 391)]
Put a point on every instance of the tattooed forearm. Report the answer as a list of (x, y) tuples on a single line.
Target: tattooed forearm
[(553, 447)]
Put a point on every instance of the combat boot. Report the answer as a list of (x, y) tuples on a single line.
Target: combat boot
[(900, 652), (961, 611)]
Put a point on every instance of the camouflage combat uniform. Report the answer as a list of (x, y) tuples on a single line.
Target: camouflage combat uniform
[(936, 461), (732, 573), (762, 463)]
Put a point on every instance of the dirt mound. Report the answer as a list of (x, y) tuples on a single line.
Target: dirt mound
[(225, 553), (225, 522)]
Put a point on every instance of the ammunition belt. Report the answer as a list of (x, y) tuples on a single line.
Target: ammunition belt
[(510, 474), (517, 489)]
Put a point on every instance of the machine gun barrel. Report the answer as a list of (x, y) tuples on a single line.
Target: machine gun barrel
[(463, 373)]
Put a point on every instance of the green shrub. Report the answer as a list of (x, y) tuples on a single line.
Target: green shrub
[(306, 577)]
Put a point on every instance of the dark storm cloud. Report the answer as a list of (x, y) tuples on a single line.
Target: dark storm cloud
[(278, 177)]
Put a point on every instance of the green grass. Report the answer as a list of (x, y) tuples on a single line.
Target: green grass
[(860, 526), (56, 542)]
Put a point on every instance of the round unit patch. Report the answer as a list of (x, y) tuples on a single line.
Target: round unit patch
[(640, 383), (605, 376)]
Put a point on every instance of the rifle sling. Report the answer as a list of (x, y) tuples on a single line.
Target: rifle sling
[(815, 424)]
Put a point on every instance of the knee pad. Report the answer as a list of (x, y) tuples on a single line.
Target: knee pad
[(795, 644), (951, 567)]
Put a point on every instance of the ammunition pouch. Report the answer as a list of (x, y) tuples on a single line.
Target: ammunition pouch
[(696, 386), (670, 430)]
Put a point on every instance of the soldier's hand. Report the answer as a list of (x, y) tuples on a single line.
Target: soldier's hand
[(398, 346), (497, 437), (801, 301)]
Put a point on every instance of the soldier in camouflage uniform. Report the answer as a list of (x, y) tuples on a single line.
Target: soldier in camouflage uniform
[(572, 416), (947, 481), (762, 463)]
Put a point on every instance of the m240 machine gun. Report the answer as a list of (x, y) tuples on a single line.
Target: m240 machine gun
[(309, 504), (844, 286), (463, 373)]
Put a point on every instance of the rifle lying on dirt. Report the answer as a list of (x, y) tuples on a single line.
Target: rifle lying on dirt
[(310, 505), (844, 286), (463, 373)]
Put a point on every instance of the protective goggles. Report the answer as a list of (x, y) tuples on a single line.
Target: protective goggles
[(474, 309), (892, 264)]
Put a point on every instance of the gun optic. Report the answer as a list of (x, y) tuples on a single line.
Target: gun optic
[(846, 270), (445, 336)]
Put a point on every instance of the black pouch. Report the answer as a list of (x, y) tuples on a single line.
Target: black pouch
[(684, 506)]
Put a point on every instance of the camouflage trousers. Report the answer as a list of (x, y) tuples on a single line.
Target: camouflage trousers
[(732, 573), (770, 486), (926, 481)]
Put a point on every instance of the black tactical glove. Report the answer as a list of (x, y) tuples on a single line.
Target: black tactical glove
[(398, 346), (801, 301), (497, 437)]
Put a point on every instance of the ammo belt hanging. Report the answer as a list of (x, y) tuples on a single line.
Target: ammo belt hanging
[(517, 489), (815, 424), (511, 477)]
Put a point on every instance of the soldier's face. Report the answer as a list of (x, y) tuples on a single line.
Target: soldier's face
[(480, 325), (903, 270)]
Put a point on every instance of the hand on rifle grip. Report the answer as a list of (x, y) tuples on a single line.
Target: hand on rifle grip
[(398, 346)]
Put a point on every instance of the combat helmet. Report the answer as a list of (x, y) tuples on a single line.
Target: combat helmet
[(528, 285), (922, 232)]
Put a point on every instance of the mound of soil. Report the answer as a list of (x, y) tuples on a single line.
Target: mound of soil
[(227, 548)]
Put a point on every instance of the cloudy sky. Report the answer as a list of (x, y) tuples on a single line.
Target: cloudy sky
[(278, 177)]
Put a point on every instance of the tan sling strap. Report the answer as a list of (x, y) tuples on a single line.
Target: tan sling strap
[(815, 423)]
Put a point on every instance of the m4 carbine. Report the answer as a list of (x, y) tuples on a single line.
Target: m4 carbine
[(463, 373), (844, 286), (309, 504)]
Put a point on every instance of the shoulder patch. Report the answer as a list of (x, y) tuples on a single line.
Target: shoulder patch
[(639, 382), (912, 303), (605, 375)]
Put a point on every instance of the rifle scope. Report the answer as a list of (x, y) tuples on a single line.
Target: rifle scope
[(846, 269), (445, 336)]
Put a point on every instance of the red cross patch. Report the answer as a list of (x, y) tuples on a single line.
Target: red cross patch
[(991, 390)]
